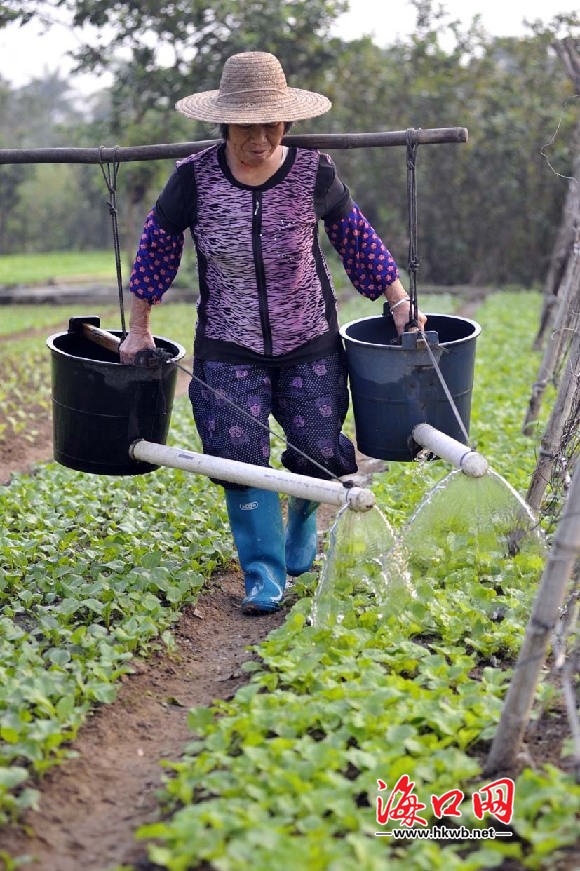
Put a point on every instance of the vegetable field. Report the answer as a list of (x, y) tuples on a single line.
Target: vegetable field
[(270, 743)]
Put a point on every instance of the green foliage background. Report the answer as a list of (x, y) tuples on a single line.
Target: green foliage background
[(94, 572), (285, 773), (488, 211)]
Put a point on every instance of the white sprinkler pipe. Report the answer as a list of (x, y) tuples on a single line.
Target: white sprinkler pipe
[(278, 481), (466, 459)]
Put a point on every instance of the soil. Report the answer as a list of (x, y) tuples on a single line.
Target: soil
[(92, 804)]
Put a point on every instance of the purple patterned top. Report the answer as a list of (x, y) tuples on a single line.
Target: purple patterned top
[(265, 288)]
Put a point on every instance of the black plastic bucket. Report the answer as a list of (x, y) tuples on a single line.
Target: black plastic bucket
[(100, 406), (394, 388)]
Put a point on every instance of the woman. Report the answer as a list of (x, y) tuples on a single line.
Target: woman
[(267, 338)]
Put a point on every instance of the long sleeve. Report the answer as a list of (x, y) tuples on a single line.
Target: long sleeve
[(368, 263), (157, 261)]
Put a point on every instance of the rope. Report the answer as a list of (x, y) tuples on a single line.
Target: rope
[(110, 175), (412, 138)]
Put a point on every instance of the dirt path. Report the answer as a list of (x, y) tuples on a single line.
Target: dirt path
[(92, 805)]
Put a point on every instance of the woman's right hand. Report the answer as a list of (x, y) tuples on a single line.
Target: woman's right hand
[(136, 340)]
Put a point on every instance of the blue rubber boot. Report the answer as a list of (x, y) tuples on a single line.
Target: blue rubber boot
[(258, 529), (300, 536)]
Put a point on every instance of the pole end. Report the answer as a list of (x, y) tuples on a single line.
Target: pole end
[(474, 465), (360, 499), (133, 447)]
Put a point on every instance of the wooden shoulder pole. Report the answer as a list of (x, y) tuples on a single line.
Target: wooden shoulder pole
[(329, 141)]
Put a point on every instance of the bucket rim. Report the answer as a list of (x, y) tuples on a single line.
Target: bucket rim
[(343, 331), (51, 339)]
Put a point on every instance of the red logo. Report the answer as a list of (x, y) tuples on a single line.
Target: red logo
[(403, 806)]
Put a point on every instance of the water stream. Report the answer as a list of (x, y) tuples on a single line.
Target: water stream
[(484, 516), (478, 524), (357, 573)]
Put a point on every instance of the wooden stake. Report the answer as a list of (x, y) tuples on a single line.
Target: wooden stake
[(566, 315), (520, 696), (559, 418)]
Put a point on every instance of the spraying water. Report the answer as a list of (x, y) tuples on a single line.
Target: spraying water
[(480, 522), (359, 573), (483, 517)]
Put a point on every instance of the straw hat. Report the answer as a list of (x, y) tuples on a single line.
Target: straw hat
[(253, 90)]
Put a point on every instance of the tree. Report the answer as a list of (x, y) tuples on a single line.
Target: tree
[(191, 41), (44, 207), (181, 44), (488, 210), (562, 286), (11, 177)]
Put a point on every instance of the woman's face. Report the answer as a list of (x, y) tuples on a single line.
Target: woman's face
[(254, 144)]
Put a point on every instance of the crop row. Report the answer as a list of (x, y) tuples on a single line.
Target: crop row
[(25, 392), (94, 572), (287, 773)]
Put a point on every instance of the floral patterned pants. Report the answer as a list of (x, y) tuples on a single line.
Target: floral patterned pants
[(309, 401)]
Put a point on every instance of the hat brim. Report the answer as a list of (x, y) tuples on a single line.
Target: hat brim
[(294, 104)]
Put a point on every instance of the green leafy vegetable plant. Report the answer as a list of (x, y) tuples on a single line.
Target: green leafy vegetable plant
[(286, 773)]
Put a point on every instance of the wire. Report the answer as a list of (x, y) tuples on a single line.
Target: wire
[(110, 175), (446, 389), (221, 395)]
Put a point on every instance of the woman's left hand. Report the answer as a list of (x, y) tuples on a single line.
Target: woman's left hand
[(401, 317)]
